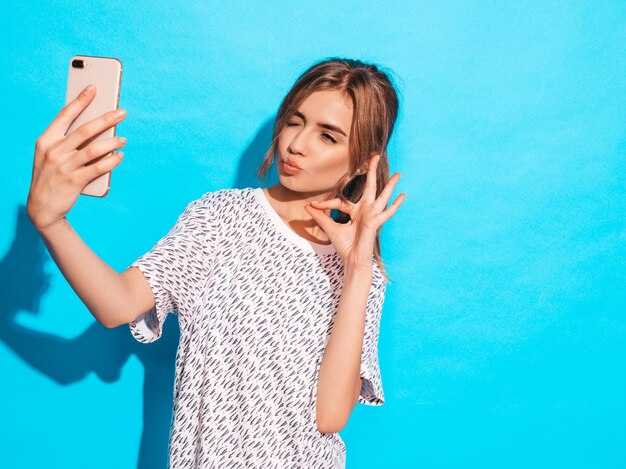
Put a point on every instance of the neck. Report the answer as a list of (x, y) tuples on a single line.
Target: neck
[(290, 206)]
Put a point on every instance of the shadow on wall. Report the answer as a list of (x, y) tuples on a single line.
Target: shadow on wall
[(23, 283)]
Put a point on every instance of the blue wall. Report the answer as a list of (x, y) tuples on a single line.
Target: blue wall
[(503, 335)]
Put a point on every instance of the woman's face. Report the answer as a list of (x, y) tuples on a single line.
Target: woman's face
[(316, 140)]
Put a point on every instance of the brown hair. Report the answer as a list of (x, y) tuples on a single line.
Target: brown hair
[(375, 109)]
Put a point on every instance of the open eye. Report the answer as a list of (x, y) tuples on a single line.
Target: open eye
[(329, 137)]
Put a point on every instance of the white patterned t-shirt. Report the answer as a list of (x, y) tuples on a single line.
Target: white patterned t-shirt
[(255, 304)]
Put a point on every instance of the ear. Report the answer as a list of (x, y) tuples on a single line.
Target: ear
[(363, 169), (365, 166)]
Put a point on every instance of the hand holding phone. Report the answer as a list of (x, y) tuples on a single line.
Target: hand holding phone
[(65, 162), (106, 74)]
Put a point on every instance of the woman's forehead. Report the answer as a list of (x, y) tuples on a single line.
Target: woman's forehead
[(328, 106)]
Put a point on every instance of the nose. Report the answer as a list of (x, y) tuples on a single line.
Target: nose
[(297, 143)]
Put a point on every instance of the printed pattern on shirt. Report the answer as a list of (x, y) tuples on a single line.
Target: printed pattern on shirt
[(255, 312)]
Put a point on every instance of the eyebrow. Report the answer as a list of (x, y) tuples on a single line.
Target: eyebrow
[(324, 125)]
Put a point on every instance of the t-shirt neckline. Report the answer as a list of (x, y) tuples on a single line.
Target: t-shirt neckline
[(283, 228)]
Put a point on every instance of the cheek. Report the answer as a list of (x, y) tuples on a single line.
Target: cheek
[(281, 140), (333, 161), (284, 139)]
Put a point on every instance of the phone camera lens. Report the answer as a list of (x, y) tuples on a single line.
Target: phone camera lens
[(78, 63)]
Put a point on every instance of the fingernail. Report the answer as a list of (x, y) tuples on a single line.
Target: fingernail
[(120, 113), (315, 202), (88, 89)]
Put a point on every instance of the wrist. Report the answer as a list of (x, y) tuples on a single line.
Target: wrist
[(358, 271), (49, 229)]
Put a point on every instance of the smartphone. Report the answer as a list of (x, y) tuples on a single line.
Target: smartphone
[(105, 73)]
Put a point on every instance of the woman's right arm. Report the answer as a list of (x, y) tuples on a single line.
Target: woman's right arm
[(59, 175), (112, 298)]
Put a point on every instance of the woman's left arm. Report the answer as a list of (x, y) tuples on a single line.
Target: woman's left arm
[(339, 381)]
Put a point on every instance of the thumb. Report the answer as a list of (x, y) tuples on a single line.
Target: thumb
[(323, 220)]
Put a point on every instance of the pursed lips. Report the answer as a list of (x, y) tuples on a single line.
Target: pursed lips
[(291, 163)]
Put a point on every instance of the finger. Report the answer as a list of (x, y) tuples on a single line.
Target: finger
[(335, 203), (87, 174), (324, 221), (58, 127), (385, 195), (391, 210), (94, 150), (90, 130), (369, 189)]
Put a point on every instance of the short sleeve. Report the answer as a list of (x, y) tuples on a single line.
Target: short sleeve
[(173, 267), (372, 388)]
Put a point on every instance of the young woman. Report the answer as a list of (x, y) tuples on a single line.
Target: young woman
[(279, 304)]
